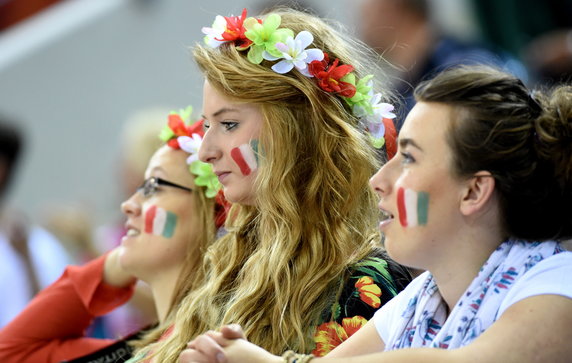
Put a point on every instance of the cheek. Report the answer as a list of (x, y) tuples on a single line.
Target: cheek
[(160, 222), (246, 157), (412, 207)]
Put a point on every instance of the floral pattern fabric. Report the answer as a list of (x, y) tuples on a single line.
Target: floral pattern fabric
[(425, 322), (371, 284)]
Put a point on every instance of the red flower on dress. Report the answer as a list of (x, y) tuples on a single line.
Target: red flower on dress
[(331, 334), (235, 30), (368, 291), (329, 75)]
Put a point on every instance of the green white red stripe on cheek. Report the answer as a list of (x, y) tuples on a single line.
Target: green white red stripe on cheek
[(160, 222), (412, 207), (246, 157)]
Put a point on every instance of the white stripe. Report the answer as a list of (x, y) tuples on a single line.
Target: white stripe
[(159, 221), (411, 207), (248, 156)]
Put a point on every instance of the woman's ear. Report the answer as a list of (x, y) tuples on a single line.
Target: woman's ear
[(478, 192)]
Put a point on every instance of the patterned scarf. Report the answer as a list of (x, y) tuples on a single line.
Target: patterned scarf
[(424, 323)]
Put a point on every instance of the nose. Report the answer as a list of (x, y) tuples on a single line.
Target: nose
[(209, 151), (380, 182), (132, 207)]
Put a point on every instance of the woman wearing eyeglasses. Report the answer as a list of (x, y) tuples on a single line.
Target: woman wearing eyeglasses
[(169, 225)]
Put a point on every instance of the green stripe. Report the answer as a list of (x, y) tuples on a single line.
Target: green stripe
[(170, 224), (422, 207)]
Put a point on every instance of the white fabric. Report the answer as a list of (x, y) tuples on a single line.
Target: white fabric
[(49, 259), (549, 276)]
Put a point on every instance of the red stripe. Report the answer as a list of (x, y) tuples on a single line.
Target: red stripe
[(149, 218), (401, 207), (236, 155)]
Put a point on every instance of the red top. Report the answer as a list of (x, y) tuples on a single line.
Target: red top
[(52, 326)]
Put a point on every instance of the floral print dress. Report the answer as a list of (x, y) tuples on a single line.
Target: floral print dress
[(372, 282)]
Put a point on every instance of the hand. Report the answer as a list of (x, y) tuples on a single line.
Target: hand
[(113, 273), (226, 346)]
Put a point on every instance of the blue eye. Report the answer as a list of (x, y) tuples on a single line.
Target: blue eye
[(407, 158)]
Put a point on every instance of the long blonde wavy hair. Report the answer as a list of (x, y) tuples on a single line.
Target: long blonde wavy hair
[(284, 260)]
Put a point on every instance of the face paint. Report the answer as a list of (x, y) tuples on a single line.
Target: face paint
[(160, 222), (246, 157), (412, 207)]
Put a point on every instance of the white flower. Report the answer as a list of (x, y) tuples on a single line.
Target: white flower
[(191, 145), (218, 27), (381, 109), (295, 54)]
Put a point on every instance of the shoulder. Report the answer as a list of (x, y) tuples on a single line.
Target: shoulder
[(551, 276), (389, 314)]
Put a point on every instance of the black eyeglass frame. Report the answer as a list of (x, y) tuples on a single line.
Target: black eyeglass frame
[(150, 185)]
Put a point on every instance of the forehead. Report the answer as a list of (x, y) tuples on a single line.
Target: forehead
[(216, 103), (427, 123), (169, 163)]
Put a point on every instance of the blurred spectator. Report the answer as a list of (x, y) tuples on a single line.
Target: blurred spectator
[(30, 257), (403, 32), (540, 32)]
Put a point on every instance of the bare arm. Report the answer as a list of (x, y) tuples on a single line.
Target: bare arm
[(535, 329)]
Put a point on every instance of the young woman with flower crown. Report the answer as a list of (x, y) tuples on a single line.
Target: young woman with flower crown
[(301, 265), (484, 172), (170, 222)]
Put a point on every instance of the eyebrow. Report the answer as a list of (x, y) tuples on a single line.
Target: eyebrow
[(405, 142), (223, 111)]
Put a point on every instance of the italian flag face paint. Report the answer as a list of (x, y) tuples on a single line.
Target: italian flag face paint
[(246, 157), (160, 222), (412, 207)]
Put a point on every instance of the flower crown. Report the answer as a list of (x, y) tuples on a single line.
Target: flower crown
[(264, 40), (179, 135)]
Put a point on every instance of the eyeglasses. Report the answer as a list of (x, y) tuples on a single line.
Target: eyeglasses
[(150, 186)]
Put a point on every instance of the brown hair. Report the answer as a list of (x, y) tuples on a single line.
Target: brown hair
[(523, 138)]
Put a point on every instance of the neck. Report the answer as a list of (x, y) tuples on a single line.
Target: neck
[(469, 252), (163, 289)]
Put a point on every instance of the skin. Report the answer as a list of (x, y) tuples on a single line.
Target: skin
[(462, 232), (155, 259), (228, 125)]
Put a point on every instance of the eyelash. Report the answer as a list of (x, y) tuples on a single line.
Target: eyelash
[(407, 158), (228, 125)]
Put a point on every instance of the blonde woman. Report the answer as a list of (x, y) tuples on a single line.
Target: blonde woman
[(170, 222), (301, 266)]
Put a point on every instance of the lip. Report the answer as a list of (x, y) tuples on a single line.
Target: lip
[(222, 175), (129, 226), (389, 217)]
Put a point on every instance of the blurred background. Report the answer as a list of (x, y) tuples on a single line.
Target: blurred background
[(73, 71)]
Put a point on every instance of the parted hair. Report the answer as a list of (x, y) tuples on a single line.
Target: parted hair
[(285, 259), (522, 137)]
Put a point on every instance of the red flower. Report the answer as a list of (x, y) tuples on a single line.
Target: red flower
[(235, 30), (177, 125), (368, 291), (390, 138), (329, 75), (331, 334)]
